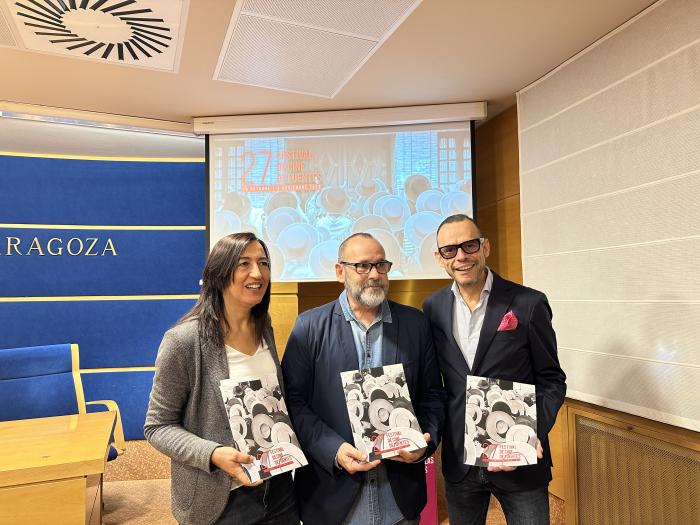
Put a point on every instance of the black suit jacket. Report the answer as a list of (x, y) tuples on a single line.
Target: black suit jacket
[(527, 354), (320, 347)]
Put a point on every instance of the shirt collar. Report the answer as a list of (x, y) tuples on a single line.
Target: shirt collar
[(486, 290), (384, 311)]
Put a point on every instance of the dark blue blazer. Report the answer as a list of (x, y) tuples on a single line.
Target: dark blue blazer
[(320, 347), (527, 354)]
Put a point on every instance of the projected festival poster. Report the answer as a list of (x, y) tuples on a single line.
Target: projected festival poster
[(304, 194)]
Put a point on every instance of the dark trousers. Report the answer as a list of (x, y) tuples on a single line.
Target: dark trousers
[(468, 501), (272, 503)]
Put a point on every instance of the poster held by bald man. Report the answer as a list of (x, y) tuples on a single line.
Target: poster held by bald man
[(359, 330)]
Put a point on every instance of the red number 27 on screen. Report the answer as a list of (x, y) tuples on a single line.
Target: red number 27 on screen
[(252, 156)]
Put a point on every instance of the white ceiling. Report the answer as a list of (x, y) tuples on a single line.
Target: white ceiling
[(446, 51)]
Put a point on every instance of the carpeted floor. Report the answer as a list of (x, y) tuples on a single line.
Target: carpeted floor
[(137, 502), (136, 491), (139, 461)]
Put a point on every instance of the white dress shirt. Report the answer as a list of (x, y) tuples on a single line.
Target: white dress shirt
[(466, 325)]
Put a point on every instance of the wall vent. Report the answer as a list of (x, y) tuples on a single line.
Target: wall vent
[(142, 33), (625, 478)]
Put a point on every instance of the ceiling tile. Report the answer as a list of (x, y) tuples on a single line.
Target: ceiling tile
[(309, 47), (370, 18)]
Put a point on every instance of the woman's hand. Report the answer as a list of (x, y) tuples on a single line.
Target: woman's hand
[(230, 460)]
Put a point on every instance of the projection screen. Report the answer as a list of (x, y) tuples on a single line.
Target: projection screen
[(304, 192)]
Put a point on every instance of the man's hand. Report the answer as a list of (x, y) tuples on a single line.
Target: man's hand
[(510, 469), (352, 460), (411, 457), (230, 460)]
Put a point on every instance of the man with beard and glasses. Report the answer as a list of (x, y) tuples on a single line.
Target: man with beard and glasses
[(359, 330), (484, 325)]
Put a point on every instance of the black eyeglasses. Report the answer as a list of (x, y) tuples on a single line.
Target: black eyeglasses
[(449, 251), (363, 268)]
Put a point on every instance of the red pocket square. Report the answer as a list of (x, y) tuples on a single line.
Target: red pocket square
[(509, 322)]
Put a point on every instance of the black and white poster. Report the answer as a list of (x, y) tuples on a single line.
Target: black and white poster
[(500, 423), (381, 414), (261, 427)]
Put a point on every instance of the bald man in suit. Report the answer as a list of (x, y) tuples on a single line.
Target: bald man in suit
[(471, 338)]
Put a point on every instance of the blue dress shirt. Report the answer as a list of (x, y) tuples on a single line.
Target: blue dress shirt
[(375, 504)]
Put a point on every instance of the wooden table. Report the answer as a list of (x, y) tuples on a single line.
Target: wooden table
[(51, 468)]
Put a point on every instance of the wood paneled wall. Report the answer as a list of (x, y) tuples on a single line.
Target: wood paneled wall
[(497, 180), (411, 292), (290, 299), (284, 308)]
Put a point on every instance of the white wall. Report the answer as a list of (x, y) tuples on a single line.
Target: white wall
[(610, 204)]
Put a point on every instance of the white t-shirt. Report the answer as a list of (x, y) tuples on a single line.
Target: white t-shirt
[(243, 367)]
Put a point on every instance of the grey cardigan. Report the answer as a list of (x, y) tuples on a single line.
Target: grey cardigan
[(187, 420)]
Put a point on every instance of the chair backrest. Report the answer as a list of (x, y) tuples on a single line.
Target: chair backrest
[(40, 381)]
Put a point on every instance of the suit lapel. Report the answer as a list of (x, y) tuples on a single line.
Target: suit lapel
[(445, 312), (499, 301), (346, 355), (390, 338)]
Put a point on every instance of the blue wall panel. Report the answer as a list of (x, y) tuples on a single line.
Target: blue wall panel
[(96, 192), (129, 389), (147, 262), (111, 334), (43, 193)]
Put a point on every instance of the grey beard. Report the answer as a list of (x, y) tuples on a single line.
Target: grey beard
[(368, 297)]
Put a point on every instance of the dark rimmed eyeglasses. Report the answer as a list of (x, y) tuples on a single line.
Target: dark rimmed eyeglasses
[(449, 251), (363, 268)]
